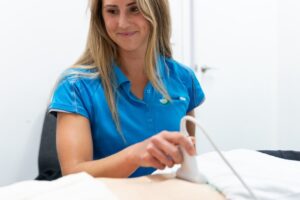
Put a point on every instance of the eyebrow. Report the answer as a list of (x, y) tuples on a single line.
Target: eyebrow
[(113, 6), (132, 3)]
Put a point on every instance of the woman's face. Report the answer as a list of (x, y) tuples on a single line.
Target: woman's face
[(126, 25)]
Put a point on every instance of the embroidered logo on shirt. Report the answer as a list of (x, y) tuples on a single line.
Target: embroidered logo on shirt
[(166, 101), (182, 98), (163, 101)]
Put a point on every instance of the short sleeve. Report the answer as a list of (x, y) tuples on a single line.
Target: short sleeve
[(67, 97), (195, 91)]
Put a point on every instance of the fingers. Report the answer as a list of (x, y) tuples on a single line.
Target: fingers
[(139, 155), (156, 163), (170, 152), (192, 138), (159, 155), (163, 149), (180, 139)]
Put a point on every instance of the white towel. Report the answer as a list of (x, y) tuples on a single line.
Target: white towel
[(270, 178), (79, 186)]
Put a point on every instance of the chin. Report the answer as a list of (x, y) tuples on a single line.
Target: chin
[(128, 47)]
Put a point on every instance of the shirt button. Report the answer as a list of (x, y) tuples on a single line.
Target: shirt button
[(148, 91)]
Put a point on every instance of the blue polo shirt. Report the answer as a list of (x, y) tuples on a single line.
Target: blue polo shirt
[(81, 93)]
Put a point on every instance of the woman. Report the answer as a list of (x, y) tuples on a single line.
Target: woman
[(118, 109)]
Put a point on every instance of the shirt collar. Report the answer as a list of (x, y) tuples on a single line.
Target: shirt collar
[(120, 76), (161, 68)]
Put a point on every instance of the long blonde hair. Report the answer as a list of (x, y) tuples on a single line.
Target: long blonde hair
[(101, 51)]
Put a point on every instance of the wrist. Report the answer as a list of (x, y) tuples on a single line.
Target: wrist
[(131, 157)]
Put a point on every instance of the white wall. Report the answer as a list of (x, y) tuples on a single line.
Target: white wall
[(253, 95), (239, 41), (38, 40), (289, 74), (181, 40)]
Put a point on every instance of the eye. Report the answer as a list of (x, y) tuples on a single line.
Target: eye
[(134, 9), (112, 11)]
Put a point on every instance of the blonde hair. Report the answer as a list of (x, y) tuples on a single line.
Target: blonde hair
[(101, 51)]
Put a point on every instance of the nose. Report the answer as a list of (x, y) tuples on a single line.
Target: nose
[(124, 21)]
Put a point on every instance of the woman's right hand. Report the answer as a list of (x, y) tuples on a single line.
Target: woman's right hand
[(161, 150)]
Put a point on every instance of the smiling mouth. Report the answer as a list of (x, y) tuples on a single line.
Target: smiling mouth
[(127, 34)]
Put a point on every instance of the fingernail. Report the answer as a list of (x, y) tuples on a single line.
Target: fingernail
[(192, 148), (193, 151)]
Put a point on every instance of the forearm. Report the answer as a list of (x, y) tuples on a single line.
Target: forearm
[(119, 165)]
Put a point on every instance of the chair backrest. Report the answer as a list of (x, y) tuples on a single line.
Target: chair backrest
[(48, 164)]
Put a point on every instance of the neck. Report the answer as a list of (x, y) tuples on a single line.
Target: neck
[(132, 63)]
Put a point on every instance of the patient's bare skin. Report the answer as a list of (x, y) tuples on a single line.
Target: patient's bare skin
[(160, 187)]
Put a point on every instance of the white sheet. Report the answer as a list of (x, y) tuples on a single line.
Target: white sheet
[(79, 186), (270, 178)]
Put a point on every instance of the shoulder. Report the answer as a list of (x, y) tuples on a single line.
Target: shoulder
[(80, 76), (185, 75), (74, 92), (79, 73), (179, 70)]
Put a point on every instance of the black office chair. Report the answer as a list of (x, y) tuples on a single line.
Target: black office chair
[(48, 164)]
